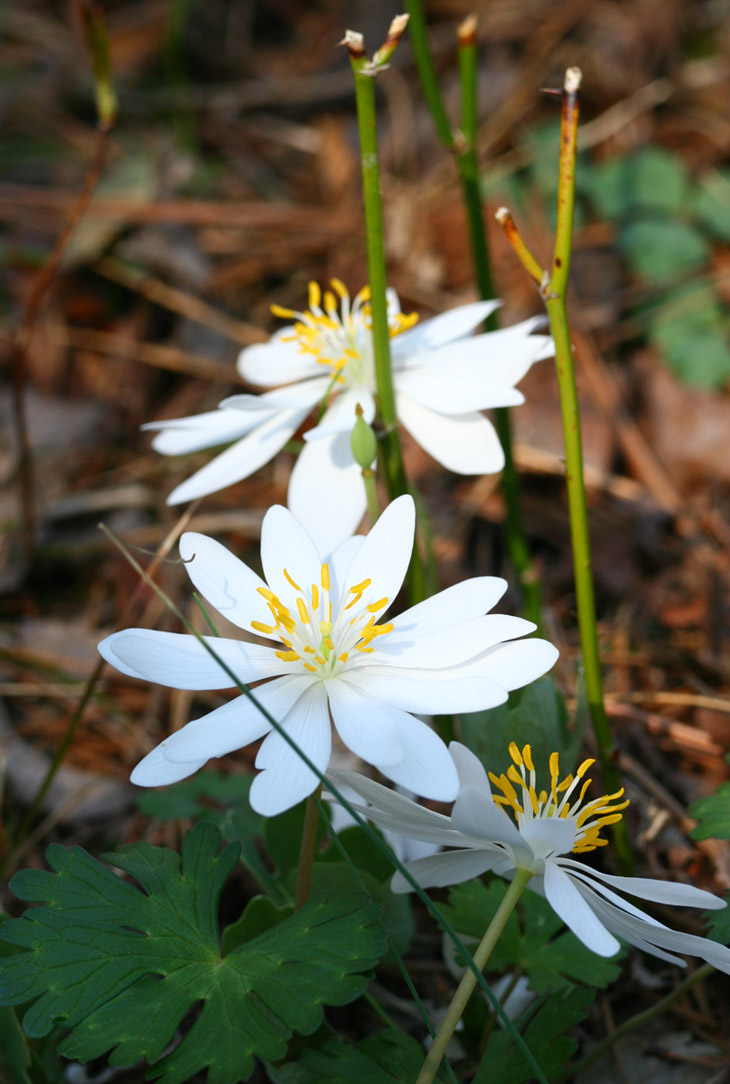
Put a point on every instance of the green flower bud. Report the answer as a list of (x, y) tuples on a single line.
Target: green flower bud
[(363, 441)]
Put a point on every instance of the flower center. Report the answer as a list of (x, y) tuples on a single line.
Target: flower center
[(323, 644), (337, 331), (519, 794)]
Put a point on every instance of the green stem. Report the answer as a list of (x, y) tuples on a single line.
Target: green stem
[(307, 850), (636, 1021), (427, 72), (554, 293), (466, 986), (368, 478), (391, 457)]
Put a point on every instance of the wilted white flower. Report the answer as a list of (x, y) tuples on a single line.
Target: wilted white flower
[(443, 376), (335, 655), (544, 828)]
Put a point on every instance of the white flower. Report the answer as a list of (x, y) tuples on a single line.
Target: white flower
[(337, 656), (443, 378), (546, 826)]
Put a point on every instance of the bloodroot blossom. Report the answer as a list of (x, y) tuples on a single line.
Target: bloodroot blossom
[(336, 655), (517, 827), (443, 376)]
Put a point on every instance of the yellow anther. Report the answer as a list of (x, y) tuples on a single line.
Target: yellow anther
[(533, 800), (287, 656), (308, 666), (375, 606), (350, 353), (343, 657), (291, 581), (365, 650), (363, 295), (514, 752), (286, 314), (325, 577), (259, 626), (514, 775), (357, 591), (309, 650), (330, 305), (315, 596), (554, 765), (584, 767), (268, 595), (527, 757), (315, 295), (303, 615), (339, 287)]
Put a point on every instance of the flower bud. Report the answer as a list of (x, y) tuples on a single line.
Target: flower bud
[(363, 441)]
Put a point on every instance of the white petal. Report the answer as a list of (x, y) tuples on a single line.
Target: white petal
[(339, 565), (302, 395), (426, 767), (237, 723), (157, 771), (285, 779), (515, 664), (369, 728), (470, 598), (454, 644), (475, 815), (647, 888), (439, 870), (550, 834), (569, 904), (500, 357), (242, 459), (384, 555), (181, 435), (326, 491), (428, 692), (445, 328), (179, 661), (464, 443), (340, 416), (470, 768), (450, 393), (276, 362), (285, 544), (225, 582), (394, 812)]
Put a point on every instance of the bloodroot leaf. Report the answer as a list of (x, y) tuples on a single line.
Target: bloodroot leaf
[(119, 969)]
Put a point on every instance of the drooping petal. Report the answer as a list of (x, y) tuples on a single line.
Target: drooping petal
[(384, 555), (475, 815), (242, 459), (448, 393), (570, 905), (285, 544), (426, 767), (277, 361), (396, 813), (428, 692), (285, 779), (155, 770), (304, 394), (178, 436), (514, 664), (470, 768), (180, 661), (238, 723), (225, 582), (340, 417), (463, 443), (647, 888), (454, 644), (326, 491), (449, 868), (470, 598), (444, 328), (368, 727)]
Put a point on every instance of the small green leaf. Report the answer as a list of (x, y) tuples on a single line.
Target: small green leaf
[(653, 180), (119, 968), (719, 924), (712, 202), (537, 942), (14, 1050), (205, 796), (713, 813), (661, 250), (545, 1035), (386, 1057), (260, 914)]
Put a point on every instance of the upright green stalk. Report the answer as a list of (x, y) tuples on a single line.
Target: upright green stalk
[(365, 71), (307, 849), (466, 987), (553, 288), (463, 146)]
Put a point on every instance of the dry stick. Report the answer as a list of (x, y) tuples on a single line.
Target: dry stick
[(65, 744), (553, 289), (24, 335)]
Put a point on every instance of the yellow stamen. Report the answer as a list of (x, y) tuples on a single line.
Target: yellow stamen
[(325, 577), (268, 595), (315, 295), (375, 606), (307, 666), (330, 305), (339, 287), (286, 314), (259, 626), (527, 757), (357, 591), (343, 657), (515, 754), (287, 656), (315, 596), (303, 615), (291, 581)]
